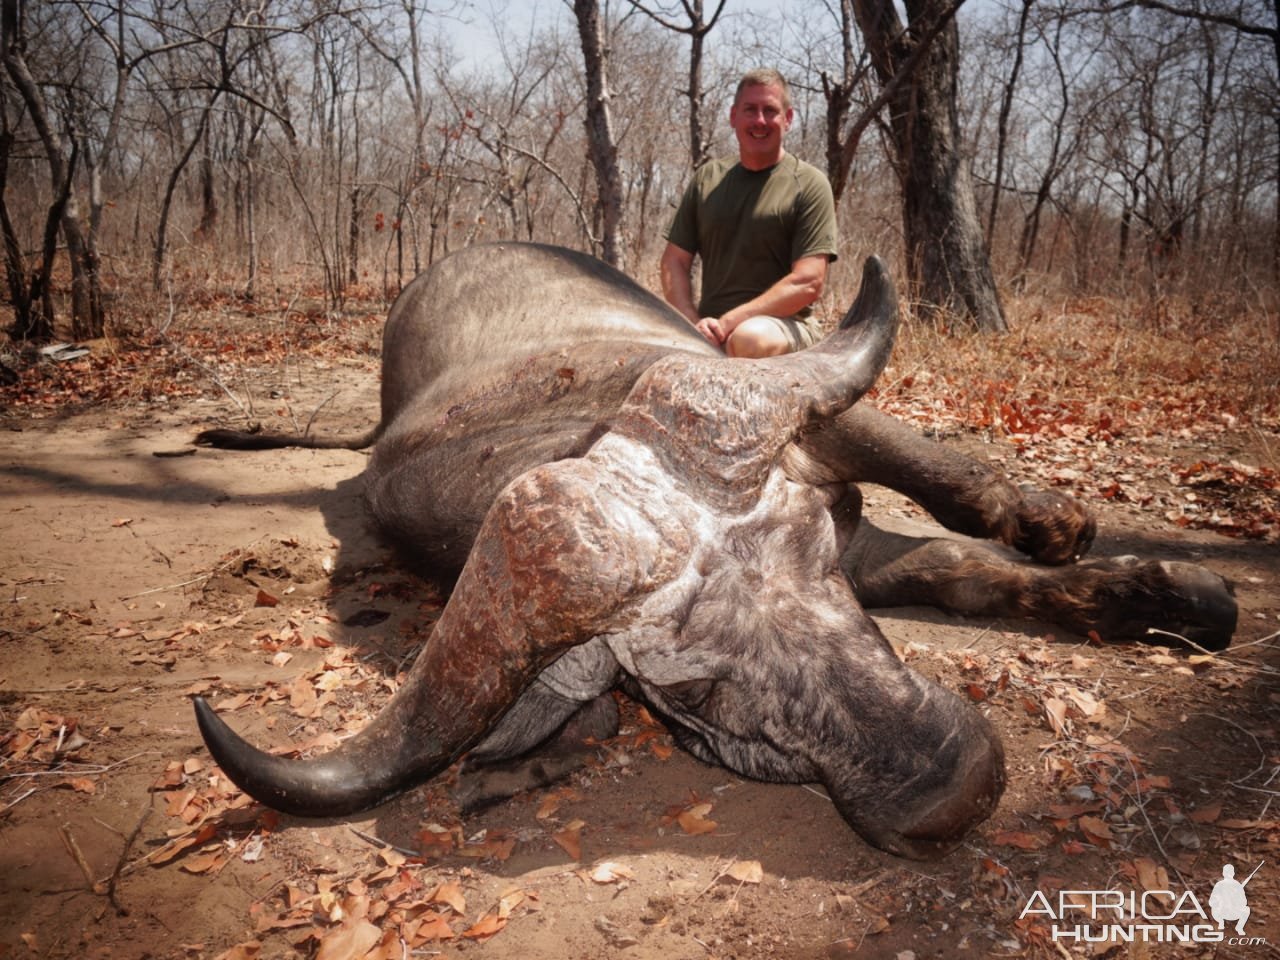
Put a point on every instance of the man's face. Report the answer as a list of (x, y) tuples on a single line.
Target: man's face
[(760, 120)]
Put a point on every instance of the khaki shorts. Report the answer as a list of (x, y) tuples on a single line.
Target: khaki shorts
[(800, 332)]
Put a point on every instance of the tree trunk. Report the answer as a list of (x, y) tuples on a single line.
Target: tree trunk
[(947, 260), (87, 315), (602, 144), (32, 307), (1002, 126)]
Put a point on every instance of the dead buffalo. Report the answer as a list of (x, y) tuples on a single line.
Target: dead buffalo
[(620, 503)]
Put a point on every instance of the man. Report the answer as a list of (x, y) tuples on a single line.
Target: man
[(764, 226)]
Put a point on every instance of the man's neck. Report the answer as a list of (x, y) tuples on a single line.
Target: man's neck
[(757, 164)]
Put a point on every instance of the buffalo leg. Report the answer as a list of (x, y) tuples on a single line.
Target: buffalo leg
[(1121, 598), (963, 494)]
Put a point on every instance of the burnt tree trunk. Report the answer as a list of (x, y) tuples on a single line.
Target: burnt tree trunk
[(947, 260), (602, 144)]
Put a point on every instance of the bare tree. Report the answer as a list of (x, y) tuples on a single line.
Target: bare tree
[(29, 287), (1248, 24), (88, 318), (696, 29), (947, 258), (1002, 125), (602, 145)]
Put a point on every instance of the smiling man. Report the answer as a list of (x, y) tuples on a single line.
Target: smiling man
[(764, 226)]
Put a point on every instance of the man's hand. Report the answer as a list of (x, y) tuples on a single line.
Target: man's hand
[(711, 328)]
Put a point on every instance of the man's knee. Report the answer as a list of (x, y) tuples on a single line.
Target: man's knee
[(758, 337)]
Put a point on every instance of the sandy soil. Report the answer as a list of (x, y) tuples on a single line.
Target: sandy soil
[(132, 578)]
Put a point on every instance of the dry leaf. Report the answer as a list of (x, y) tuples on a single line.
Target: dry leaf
[(746, 871), (694, 821), (570, 838), (248, 950), (232, 703), (1021, 839), (451, 895), (350, 941), (1096, 830), (1055, 711), (1151, 876), (1207, 814), (432, 927), (485, 927), (611, 872), (265, 599)]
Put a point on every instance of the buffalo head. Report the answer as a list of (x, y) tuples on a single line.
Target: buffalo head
[(687, 549)]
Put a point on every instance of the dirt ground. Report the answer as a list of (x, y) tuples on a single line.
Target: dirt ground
[(136, 571)]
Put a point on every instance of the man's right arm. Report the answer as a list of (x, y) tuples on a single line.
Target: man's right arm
[(676, 269)]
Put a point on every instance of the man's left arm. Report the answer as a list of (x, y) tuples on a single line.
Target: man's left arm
[(797, 290)]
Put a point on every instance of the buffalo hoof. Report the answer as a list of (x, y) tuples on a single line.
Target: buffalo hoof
[(1149, 601), (481, 784), (1053, 528)]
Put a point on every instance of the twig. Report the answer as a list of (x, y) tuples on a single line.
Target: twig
[(378, 842), (14, 803), (172, 586), (715, 879), (1261, 766), (124, 855), (73, 848), (87, 769), (237, 555), (1177, 636), (316, 412), (1142, 808)]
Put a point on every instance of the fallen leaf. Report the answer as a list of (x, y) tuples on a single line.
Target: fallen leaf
[(1055, 711), (484, 928), (570, 839), (1021, 839), (265, 599), (549, 805), (203, 863), (694, 819), (746, 871), (248, 950), (1096, 831), (232, 703), (611, 872), (350, 941), (1207, 814), (451, 895)]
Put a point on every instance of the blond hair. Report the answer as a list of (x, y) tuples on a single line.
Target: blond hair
[(764, 77)]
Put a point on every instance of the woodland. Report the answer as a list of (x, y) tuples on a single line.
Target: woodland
[(207, 209)]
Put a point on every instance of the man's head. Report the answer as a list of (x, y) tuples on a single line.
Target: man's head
[(760, 117)]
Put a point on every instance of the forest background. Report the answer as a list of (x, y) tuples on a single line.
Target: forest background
[(158, 150)]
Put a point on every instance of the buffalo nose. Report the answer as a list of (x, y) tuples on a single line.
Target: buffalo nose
[(969, 798)]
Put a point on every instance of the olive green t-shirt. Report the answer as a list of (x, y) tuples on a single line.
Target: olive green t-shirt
[(750, 226)]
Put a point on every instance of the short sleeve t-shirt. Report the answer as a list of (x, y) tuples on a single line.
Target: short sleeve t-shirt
[(750, 226)]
